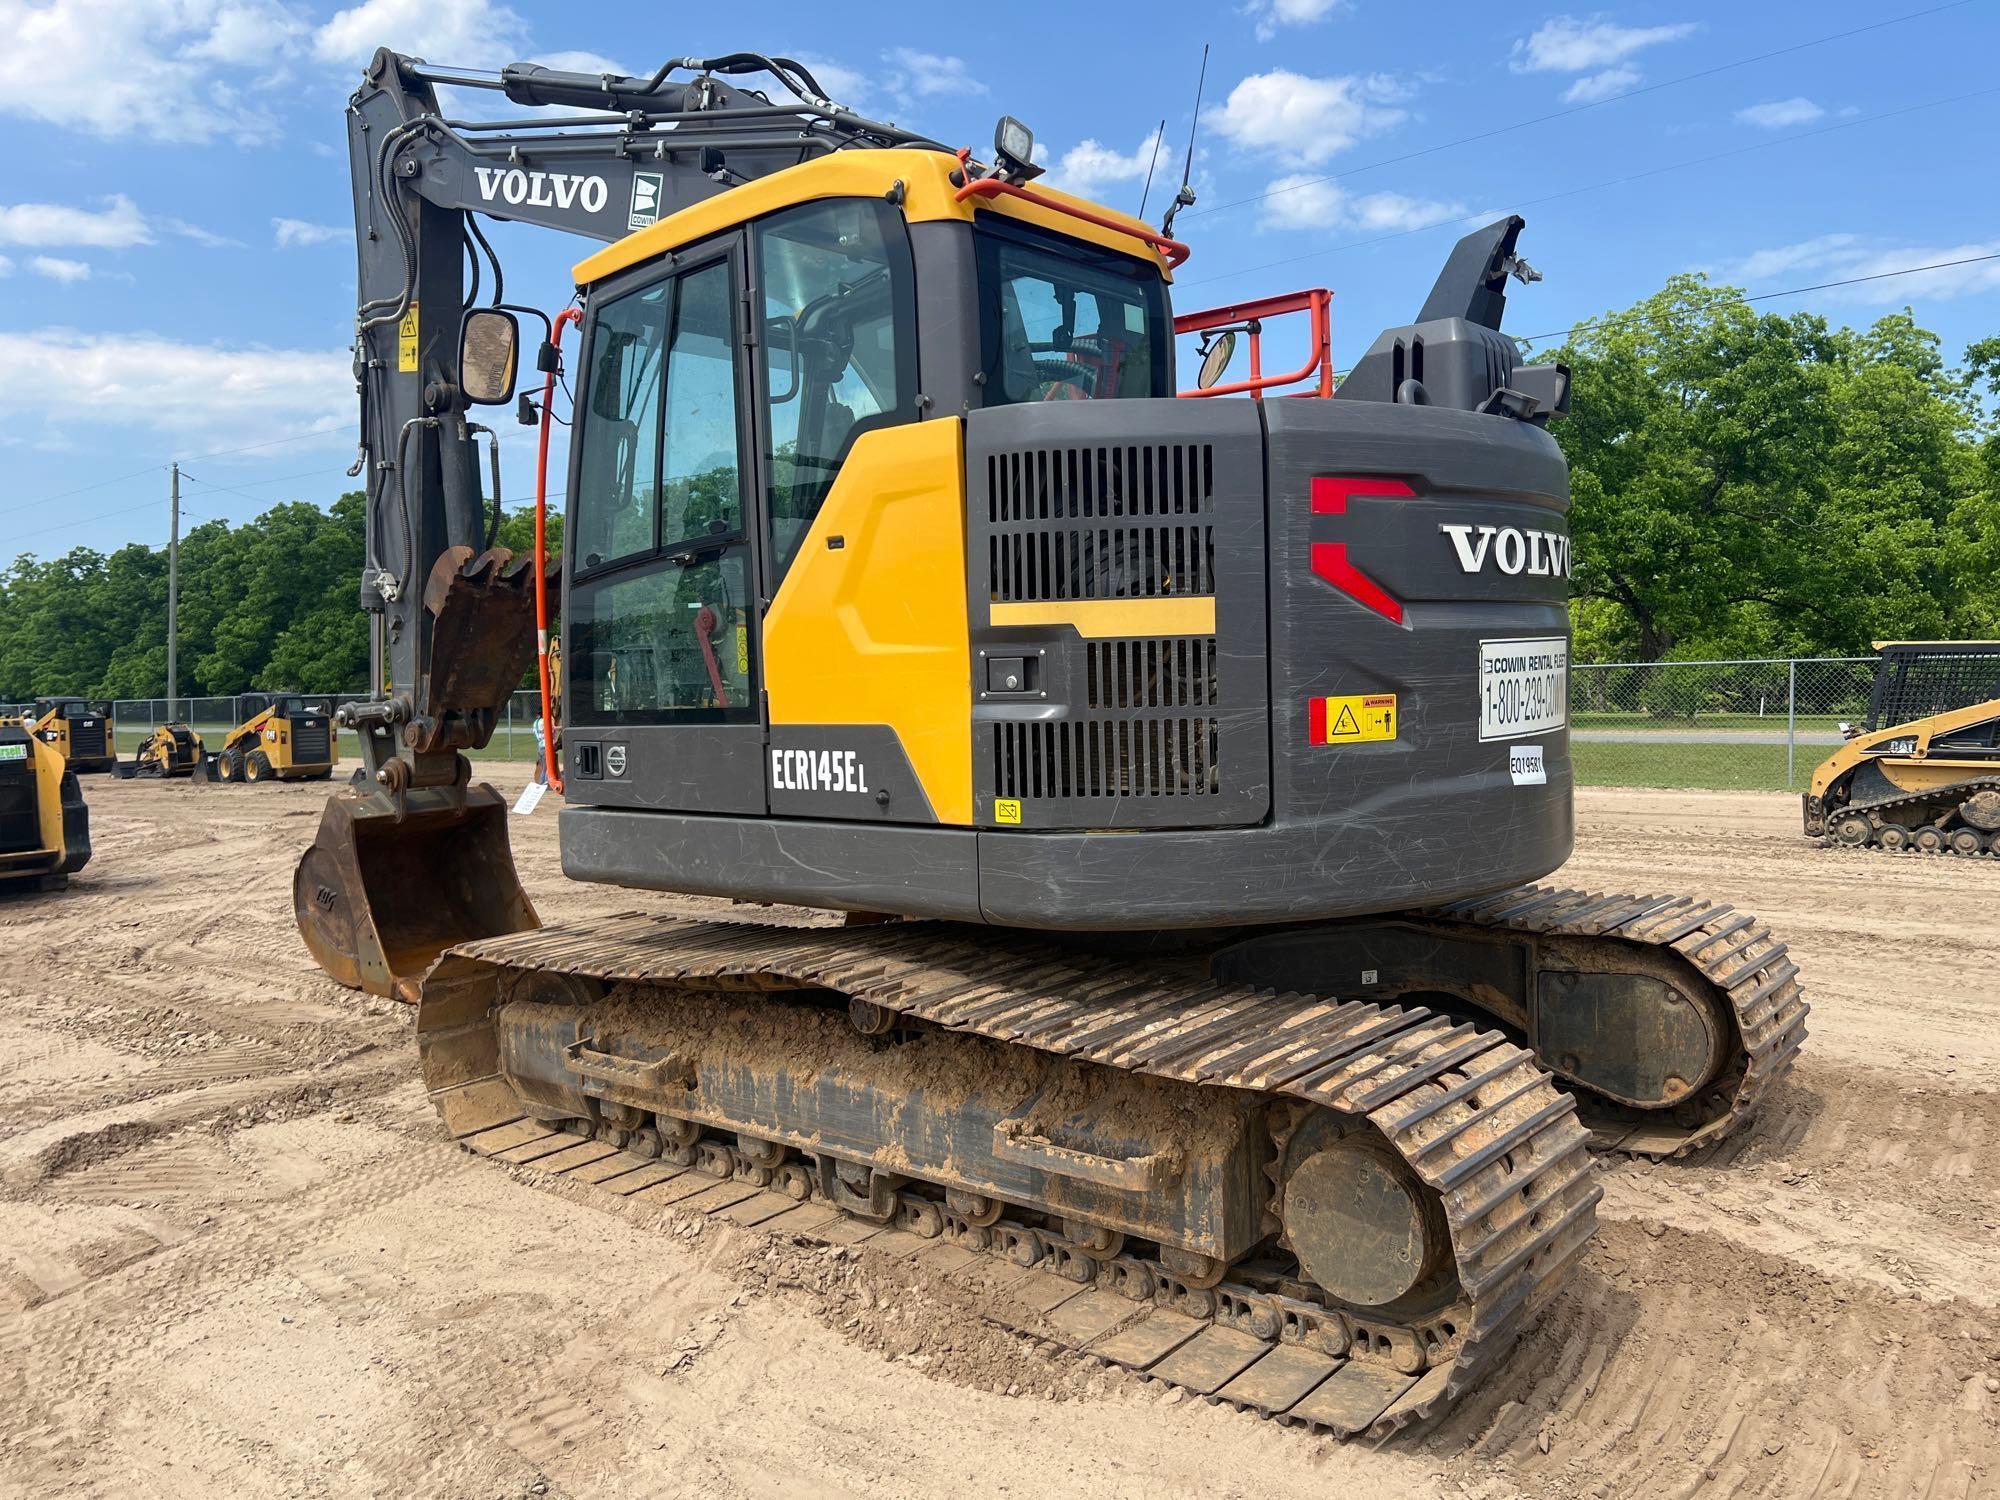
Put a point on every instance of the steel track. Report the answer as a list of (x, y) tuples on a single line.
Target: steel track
[(1472, 1115), (1747, 970)]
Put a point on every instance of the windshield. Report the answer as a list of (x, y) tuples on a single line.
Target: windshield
[(1061, 320)]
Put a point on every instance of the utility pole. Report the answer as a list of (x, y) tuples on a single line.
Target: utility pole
[(173, 592)]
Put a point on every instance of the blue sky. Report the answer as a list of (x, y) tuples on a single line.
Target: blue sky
[(176, 263)]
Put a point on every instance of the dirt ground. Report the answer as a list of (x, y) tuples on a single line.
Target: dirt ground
[(238, 1256)]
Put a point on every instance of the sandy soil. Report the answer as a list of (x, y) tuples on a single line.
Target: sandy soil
[(237, 1255)]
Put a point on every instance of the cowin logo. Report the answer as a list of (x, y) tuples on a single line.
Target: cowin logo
[(543, 189), (1512, 549)]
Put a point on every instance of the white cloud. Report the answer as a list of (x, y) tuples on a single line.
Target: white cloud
[(1807, 254), (1301, 201), (205, 393), (116, 226), (474, 33), (1567, 44), (1270, 15), (1308, 119), (925, 75), (131, 68), (1593, 87), (291, 234), (1780, 113), (1845, 257), (6, 266), (1089, 168), (248, 33), (843, 85), (199, 235), (57, 269)]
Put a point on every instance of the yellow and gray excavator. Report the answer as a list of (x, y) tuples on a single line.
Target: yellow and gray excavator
[(1923, 772), (44, 825), (1176, 761)]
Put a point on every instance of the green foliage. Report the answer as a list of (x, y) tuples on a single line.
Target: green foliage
[(1749, 484), (271, 604)]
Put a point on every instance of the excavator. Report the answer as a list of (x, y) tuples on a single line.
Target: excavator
[(1167, 772), (1923, 772)]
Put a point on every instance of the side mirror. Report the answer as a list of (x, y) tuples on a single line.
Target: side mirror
[(489, 348), (1215, 359)]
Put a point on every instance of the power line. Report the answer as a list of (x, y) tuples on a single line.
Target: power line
[(292, 437), (1560, 114), (1796, 291), (100, 516), (1610, 182), (255, 499)]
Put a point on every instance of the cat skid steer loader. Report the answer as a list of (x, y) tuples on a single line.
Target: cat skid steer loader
[(44, 825), (1177, 760)]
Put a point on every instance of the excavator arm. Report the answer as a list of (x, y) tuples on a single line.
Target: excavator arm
[(412, 856)]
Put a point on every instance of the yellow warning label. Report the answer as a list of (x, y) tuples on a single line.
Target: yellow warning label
[(1006, 810), (743, 650), (406, 342), (1351, 720)]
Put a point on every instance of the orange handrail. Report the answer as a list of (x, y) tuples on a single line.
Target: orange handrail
[(1172, 251), (1318, 302)]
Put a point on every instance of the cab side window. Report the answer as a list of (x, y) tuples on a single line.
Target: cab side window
[(838, 293), (660, 604)]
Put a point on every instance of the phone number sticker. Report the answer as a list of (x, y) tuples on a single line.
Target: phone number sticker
[(1523, 687)]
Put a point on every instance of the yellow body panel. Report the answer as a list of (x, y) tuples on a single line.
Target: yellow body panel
[(1914, 770), (28, 864), (875, 631), (1098, 618), (928, 195)]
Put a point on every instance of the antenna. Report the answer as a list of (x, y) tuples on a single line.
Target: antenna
[(1186, 195), (1158, 136)]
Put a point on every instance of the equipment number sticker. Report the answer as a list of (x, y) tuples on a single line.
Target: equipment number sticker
[(1523, 687), (13, 752)]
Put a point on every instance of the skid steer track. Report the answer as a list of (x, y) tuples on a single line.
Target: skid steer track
[(1747, 970), (1469, 1113)]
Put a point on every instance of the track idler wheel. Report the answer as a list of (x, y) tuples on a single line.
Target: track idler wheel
[(1360, 1223)]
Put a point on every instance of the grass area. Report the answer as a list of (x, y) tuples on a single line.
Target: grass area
[(1721, 768), (1775, 723)]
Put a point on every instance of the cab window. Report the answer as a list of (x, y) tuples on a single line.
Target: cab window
[(838, 297), (1061, 320), (661, 599)]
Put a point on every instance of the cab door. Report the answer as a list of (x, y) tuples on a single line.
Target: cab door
[(664, 690)]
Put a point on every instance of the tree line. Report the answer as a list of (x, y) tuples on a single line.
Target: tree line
[(270, 604), (1746, 484), (1743, 484)]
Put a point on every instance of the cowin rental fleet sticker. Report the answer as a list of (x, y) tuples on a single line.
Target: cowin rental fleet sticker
[(1351, 720), (1525, 765)]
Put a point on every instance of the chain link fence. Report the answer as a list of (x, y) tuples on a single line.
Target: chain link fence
[(1726, 725), (212, 718)]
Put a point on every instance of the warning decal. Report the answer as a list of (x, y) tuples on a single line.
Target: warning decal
[(406, 342), (1006, 810), (1351, 720)]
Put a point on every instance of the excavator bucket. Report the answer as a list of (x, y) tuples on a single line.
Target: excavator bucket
[(381, 893)]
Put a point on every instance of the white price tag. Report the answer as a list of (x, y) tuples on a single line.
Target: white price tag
[(1523, 687)]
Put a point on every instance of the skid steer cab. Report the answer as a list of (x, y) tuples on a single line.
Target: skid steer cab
[(44, 825), (82, 730), (278, 737)]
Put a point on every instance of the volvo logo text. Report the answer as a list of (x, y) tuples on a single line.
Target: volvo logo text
[(543, 189), (1511, 549)]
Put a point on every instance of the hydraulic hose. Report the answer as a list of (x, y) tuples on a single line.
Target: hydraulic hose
[(549, 763)]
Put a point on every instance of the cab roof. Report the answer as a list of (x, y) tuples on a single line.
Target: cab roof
[(928, 196)]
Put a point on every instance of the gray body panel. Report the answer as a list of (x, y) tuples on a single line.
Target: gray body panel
[(1431, 816)]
